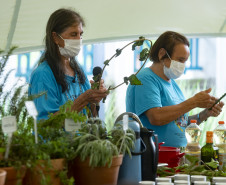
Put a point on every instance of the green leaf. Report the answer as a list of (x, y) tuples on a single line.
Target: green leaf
[(126, 79), (118, 52), (138, 43), (134, 80), (213, 164), (95, 85), (143, 54), (106, 62)]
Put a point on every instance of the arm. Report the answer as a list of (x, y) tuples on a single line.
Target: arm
[(163, 115)]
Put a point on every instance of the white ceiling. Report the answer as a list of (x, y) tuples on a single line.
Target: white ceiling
[(23, 22)]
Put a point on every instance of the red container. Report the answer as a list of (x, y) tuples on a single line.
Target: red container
[(170, 155)]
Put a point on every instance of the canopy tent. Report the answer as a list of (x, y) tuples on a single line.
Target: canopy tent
[(23, 22)]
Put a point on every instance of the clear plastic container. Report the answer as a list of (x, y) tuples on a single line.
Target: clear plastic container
[(193, 133), (219, 137)]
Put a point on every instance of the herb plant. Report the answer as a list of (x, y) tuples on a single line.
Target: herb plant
[(93, 142)]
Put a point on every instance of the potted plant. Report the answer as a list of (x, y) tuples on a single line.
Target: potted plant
[(11, 103), (52, 151), (24, 153), (18, 157), (99, 152)]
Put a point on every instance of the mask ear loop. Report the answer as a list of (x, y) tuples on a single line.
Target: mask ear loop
[(60, 37), (168, 55)]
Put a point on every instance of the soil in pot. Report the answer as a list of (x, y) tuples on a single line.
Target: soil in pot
[(14, 176), (86, 175), (2, 176), (35, 176)]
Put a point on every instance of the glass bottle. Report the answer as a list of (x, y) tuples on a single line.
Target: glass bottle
[(192, 133), (208, 151), (219, 136)]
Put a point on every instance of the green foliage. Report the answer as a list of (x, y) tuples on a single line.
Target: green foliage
[(138, 43), (193, 169), (132, 79), (95, 143)]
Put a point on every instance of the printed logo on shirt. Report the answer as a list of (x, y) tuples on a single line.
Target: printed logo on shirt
[(182, 121)]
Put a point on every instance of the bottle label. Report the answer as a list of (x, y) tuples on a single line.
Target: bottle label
[(222, 160)]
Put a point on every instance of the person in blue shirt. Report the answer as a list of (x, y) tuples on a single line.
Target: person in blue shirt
[(58, 73), (159, 102)]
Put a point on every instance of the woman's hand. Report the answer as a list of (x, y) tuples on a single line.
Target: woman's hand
[(95, 95), (89, 96), (203, 99), (216, 110)]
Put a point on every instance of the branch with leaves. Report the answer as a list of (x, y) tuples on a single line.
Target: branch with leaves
[(206, 169), (144, 55)]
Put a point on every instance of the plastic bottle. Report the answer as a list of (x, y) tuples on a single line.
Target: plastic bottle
[(219, 136), (208, 151), (192, 133)]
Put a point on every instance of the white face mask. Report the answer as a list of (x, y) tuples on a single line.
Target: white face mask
[(175, 70), (71, 47)]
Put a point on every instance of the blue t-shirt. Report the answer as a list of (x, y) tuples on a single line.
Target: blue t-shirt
[(43, 80), (156, 92)]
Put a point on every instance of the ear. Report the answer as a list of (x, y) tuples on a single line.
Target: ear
[(161, 53), (55, 38)]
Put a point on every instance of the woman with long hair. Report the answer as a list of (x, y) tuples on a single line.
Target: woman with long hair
[(58, 73)]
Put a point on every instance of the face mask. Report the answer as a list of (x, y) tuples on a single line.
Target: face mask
[(71, 47), (175, 70)]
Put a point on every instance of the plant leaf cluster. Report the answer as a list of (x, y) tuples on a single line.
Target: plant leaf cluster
[(144, 54), (193, 169), (94, 143)]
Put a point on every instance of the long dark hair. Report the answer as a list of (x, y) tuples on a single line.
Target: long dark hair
[(168, 40), (58, 22)]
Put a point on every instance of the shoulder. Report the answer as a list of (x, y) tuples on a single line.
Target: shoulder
[(42, 72), (42, 69), (146, 75)]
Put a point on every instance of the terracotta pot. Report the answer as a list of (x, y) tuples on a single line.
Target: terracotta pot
[(14, 176), (33, 176), (2, 176), (86, 175)]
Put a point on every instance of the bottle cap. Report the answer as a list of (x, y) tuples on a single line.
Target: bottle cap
[(209, 133), (193, 121), (221, 122)]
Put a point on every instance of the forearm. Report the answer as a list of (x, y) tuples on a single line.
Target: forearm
[(79, 103), (164, 115)]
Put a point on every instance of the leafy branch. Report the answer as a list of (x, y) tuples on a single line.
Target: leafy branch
[(193, 168), (144, 55)]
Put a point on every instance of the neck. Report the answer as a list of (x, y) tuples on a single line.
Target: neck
[(157, 68), (67, 67)]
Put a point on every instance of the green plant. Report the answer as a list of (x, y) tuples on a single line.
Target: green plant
[(144, 54), (93, 142), (193, 169)]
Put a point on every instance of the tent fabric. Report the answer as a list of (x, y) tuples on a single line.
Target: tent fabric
[(23, 22)]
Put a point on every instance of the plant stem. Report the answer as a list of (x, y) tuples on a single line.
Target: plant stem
[(121, 51)]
